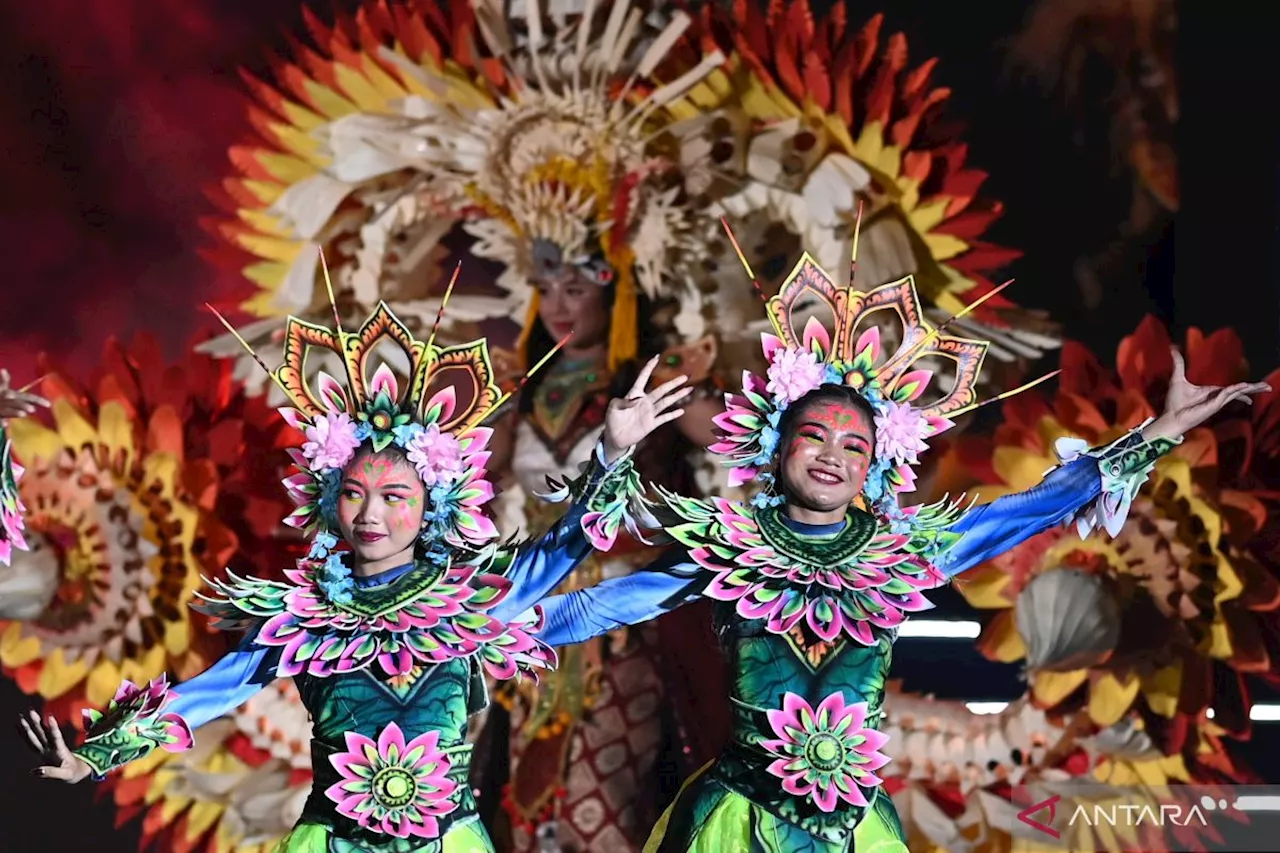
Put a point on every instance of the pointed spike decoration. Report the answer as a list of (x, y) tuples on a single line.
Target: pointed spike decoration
[(435, 327), (232, 329), (1006, 395), (476, 421), (333, 302), (943, 325), (853, 255), (33, 383), (742, 259)]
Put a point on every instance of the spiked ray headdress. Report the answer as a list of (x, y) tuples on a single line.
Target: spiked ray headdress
[(434, 417), (824, 333)]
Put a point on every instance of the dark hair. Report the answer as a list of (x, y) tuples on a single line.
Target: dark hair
[(824, 393), (392, 449)]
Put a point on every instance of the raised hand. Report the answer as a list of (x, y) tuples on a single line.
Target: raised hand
[(633, 417), (1187, 406), (15, 403), (57, 762)]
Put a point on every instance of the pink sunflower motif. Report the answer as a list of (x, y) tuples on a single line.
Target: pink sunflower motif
[(331, 441), (392, 787), (826, 754)]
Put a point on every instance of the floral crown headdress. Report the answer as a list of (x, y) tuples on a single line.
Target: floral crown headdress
[(435, 418), (803, 354)]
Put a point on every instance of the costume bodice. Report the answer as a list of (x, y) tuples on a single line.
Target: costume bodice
[(766, 666)]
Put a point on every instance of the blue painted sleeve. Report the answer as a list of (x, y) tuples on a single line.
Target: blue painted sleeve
[(1009, 521), (577, 616), (540, 566), (223, 687)]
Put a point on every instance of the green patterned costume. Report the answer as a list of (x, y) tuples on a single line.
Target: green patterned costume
[(389, 675), (807, 616)]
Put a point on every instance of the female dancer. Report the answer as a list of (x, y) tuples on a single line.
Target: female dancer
[(14, 403), (813, 579), (387, 642), (629, 691)]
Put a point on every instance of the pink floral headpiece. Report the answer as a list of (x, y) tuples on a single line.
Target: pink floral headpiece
[(439, 432), (803, 354)]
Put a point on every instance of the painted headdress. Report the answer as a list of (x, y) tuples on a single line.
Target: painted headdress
[(434, 416), (824, 333), (12, 528)]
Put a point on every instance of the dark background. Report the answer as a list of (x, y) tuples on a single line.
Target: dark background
[(115, 113)]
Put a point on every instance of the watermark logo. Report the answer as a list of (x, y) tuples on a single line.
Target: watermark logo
[(1092, 817), (1051, 805)]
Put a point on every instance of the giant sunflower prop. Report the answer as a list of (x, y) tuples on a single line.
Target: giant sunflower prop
[(149, 476), (1194, 572)]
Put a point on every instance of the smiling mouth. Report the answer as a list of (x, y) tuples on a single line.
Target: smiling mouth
[(826, 478), (366, 536)]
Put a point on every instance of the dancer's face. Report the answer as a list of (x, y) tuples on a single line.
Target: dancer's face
[(568, 302), (380, 508), (826, 456)]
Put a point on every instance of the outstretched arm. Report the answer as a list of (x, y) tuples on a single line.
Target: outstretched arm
[(140, 719), (602, 498), (1092, 487), (666, 584)]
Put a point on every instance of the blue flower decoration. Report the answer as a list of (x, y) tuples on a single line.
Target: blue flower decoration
[(407, 433), (321, 545), (764, 499), (831, 375), (874, 486), (334, 579), (330, 491)]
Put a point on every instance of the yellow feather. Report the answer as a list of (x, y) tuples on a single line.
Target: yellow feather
[(269, 248)]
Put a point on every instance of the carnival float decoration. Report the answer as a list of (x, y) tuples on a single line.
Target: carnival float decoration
[(629, 131), (1195, 574)]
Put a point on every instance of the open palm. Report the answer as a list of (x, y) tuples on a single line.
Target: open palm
[(1187, 406), (633, 417), (57, 762)]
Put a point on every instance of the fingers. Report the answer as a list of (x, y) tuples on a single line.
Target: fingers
[(62, 774), (1179, 366), (59, 745), (33, 735), (667, 387), (670, 400), (4, 378), (1240, 391), (642, 381), (667, 418), (31, 399)]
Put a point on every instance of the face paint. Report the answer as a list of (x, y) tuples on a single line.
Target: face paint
[(380, 510), (826, 461)]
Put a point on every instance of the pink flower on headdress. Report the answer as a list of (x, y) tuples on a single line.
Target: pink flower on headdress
[(900, 433), (331, 441), (793, 374), (436, 455)]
